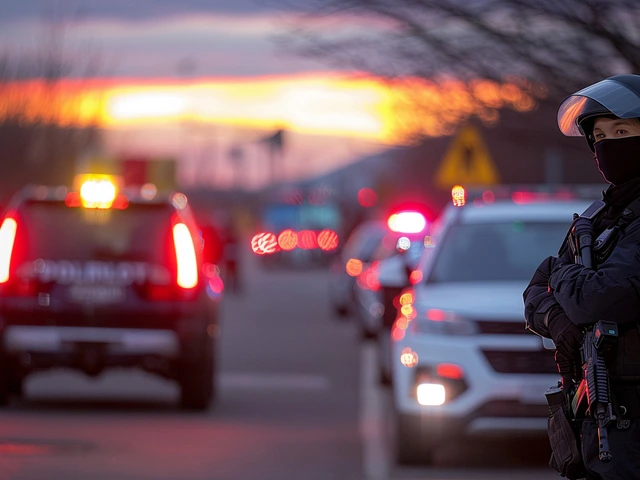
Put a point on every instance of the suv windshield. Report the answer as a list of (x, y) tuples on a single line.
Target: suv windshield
[(495, 251), (134, 233)]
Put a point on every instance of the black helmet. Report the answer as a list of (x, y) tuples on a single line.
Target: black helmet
[(617, 96)]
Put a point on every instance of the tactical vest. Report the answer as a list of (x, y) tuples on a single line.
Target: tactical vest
[(624, 360)]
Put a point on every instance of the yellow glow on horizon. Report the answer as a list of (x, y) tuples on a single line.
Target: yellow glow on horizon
[(146, 105), (321, 104), (330, 106)]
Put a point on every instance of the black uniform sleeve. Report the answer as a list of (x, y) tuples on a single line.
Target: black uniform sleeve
[(538, 300), (612, 292)]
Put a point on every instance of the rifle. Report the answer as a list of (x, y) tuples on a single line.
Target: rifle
[(592, 396)]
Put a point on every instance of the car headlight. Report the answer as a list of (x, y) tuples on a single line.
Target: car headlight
[(430, 394), (443, 322)]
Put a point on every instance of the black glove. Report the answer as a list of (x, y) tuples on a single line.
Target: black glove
[(569, 369), (565, 334), (547, 265), (566, 365)]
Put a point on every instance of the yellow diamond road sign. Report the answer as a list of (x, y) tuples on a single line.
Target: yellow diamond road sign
[(467, 161)]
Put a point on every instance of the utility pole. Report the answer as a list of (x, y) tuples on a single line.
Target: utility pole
[(236, 156), (275, 147)]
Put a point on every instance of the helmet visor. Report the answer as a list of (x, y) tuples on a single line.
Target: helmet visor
[(614, 96)]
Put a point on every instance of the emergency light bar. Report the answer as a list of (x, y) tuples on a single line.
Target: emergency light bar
[(407, 222), (96, 190)]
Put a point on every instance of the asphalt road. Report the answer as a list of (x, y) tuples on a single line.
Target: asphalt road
[(297, 400)]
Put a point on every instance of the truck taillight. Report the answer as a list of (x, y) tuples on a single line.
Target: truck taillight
[(7, 239), (185, 256)]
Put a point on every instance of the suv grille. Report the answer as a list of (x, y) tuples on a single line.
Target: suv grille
[(521, 361), (502, 328)]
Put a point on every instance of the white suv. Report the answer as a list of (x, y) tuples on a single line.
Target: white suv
[(463, 363)]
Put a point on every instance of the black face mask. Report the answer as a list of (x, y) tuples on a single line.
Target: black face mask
[(618, 159)]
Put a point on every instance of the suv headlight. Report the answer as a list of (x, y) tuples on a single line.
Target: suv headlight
[(443, 322)]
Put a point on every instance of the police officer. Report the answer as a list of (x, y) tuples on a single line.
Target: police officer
[(564, 298)]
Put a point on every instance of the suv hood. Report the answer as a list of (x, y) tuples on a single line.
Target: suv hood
[(494, 300)]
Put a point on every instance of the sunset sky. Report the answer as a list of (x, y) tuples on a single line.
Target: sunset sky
[(194, 78)]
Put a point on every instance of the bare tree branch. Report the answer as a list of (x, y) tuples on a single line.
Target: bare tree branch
[(40, 140), (547, 48)]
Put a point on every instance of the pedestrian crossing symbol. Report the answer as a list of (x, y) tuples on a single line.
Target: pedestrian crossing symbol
[(467, 161)]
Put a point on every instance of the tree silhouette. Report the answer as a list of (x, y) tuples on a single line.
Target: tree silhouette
[(543, 49), (39, 145)]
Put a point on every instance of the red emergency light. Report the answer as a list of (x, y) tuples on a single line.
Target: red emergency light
[(407, 222)]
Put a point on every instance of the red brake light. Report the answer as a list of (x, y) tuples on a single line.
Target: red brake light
[(397, 333), (523, 196), (307, 239), (407, 222), (72, 199), (288, 240), (121, 202), (415, 277), (368, 279), (7, 239), (328, 240), (450, 370), (185, 256), (436, 315), (354, 267)]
